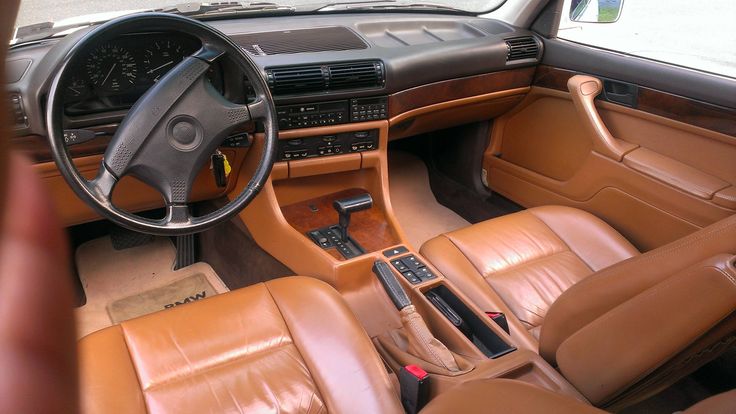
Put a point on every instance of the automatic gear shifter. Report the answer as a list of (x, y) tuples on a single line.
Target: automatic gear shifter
[(337, 235), (347, 206)]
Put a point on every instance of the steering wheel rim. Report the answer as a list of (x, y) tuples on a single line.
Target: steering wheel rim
[(97, 193)]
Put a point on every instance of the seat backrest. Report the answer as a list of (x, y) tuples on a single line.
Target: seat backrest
[(589, 327)]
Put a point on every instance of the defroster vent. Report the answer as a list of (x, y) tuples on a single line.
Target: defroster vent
[(322, 39)]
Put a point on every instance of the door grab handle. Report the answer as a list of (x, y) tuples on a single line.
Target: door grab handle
[(583, 90)]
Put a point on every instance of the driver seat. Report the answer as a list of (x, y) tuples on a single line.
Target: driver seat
[(287, 345)]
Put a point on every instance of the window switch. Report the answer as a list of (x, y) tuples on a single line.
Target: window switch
[(399, 265)]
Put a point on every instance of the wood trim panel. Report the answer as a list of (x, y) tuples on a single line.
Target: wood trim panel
[(369, 227), (453, 89), (679, 108)]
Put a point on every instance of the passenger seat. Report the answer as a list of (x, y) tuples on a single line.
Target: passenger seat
[(620, 326), (529, 258)]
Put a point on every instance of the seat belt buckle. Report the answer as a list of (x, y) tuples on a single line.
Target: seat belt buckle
[(500, 319), (414, 383)]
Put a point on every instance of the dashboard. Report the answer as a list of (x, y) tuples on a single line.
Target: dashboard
[(397, 51), (397, 73), (114, 74)]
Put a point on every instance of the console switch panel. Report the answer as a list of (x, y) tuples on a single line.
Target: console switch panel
[(413, 269)]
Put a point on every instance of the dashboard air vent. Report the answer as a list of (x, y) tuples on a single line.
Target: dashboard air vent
[(356, 75), (521, 48), (17, 114), (321, 39), (297, 80)]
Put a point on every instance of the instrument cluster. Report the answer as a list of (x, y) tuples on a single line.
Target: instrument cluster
[(114, 74)]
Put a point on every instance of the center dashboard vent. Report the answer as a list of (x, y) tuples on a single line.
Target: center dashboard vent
[(520, 48), (325, 78), (322, 39)]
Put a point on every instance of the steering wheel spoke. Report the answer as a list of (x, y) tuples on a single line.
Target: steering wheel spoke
[(177, 215), (258, 110), (103, 184)]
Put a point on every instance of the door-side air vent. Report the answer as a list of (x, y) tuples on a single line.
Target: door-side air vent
[(320, 39), (325, 78), (356, 75), (521, 48), (17, 113)]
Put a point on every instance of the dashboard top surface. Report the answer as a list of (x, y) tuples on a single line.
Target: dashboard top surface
[(415, 49)]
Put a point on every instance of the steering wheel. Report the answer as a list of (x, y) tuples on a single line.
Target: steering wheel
[(170, 132)]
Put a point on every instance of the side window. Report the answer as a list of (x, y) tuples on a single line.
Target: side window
[(695, 34)]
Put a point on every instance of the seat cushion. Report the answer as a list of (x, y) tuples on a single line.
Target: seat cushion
[(529, 258), (288, 345)]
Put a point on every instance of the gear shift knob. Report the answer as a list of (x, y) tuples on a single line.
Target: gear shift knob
[(347, 206)]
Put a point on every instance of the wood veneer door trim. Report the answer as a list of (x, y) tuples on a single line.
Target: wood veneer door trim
[(679, 108)]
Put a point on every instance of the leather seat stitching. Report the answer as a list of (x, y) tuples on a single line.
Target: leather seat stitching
[(464, 255), (301, 355), (135, 366), (561, 239), (210, 367), (536, 260)]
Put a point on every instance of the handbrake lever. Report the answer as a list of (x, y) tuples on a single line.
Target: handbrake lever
[(392, 286)]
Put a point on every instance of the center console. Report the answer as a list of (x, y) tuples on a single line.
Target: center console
[(299, 218)]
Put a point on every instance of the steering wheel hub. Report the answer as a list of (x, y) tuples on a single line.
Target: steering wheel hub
[(185, 133)]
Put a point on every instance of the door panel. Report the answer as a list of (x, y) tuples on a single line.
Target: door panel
[(673, 178)]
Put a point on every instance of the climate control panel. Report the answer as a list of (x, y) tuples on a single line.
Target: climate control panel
[(326, 145)]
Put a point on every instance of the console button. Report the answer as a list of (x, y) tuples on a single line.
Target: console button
[(411, 277), (399, 265), (395, 251)]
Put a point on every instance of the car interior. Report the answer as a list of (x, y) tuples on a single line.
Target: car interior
[(363, 208)]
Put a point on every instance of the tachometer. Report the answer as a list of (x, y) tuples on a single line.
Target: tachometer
[(161, 57), (112, 67)]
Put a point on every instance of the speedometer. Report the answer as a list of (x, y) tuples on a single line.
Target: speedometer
[(112, 67)]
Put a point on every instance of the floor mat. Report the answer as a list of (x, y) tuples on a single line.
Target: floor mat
[(416, 208), (108, 275), (182, 291)]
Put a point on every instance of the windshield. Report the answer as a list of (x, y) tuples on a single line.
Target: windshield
[(78, 11)]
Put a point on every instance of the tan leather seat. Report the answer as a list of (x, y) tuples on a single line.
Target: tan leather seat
[(288, 345), (620, 333), (529, 258), (509, 396)]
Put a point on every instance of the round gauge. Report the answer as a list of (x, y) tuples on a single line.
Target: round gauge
[(76, 88), (161, 57), (112, 67)]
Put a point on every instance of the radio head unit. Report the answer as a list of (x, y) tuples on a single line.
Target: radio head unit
[(332, 113)]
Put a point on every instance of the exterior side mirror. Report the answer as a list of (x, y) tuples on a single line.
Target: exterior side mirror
[(596, 11)]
